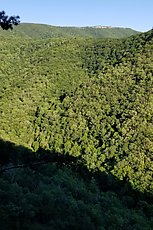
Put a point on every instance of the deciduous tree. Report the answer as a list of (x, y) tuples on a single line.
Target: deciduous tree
[(7, 22)]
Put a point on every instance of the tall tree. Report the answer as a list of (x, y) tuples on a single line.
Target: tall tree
[(7, 22)]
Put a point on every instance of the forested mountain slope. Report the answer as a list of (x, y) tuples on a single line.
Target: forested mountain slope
[(34, 73), (40, 31), (89, 102)]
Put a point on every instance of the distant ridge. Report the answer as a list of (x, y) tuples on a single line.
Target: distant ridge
[(41, 31)]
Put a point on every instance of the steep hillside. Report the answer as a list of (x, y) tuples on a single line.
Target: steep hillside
[(67, 93), (32, 73), (39, 31), (76, 133)]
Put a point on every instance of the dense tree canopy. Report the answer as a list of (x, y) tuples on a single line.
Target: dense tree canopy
[(80, 114)]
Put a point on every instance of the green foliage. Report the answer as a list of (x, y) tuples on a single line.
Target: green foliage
[(58, 196), (40, 31), (88, 99)]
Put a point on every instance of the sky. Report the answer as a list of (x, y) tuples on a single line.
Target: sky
[(135, 14)]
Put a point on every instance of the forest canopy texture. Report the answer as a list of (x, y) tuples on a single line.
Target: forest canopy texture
[(76, 117)]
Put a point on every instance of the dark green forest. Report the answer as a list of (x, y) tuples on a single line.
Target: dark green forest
[(76, 130)]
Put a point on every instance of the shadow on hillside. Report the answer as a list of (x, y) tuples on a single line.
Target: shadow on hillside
[(12, 156), (45, 190)]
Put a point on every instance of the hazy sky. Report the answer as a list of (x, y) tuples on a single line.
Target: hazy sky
[(136, 14)]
